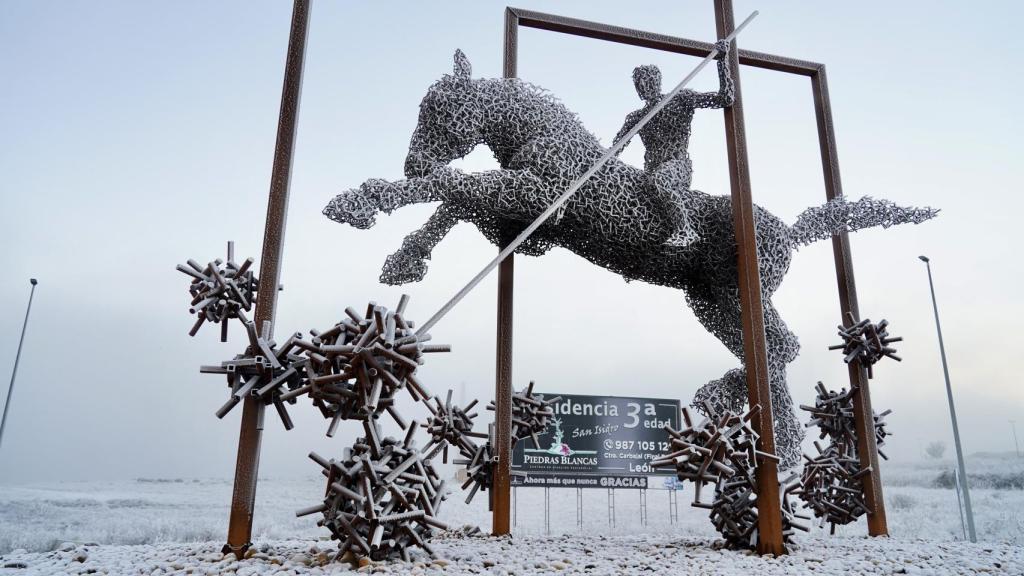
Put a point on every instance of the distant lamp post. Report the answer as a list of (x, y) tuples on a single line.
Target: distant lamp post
[(17, 357), (965, 489)]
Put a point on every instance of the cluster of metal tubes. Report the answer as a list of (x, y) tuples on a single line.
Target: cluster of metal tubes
[(382, 496), (220, 291), (721, 450), (357, 366), (531, 414), (831, 483), (274, 375), (734, 511), (866, 342), (453, 425)]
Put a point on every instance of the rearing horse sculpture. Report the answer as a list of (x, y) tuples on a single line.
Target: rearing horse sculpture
[(614, 221)]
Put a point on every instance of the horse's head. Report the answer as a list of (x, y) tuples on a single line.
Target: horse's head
[(450, 123)]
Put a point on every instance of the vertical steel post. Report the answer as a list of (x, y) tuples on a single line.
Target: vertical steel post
[(579, 508), (863, 414), (755, 353), (243, 498), (503, 359), (1016, 445), (503, 400), (17, 358), (964, 481)]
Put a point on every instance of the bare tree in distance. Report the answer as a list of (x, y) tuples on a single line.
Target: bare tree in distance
[(935, 450)]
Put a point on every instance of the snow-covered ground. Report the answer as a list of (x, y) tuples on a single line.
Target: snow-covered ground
[(566, 554), (183, 521)]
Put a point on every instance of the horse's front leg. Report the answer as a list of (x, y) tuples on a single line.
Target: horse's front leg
[(359, 206), (409, 263)]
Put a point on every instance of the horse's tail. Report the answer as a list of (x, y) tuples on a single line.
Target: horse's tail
[(839, 215)]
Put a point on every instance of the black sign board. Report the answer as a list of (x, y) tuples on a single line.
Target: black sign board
[(602, 436), (582, 481)]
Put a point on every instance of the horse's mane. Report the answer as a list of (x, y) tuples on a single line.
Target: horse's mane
[(528, 89)]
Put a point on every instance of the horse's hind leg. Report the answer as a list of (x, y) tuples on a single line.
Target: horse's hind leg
[(408, 264), (730, 391), (783, 347), (720, 315)]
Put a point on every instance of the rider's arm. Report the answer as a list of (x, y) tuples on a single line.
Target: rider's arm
[(726, 94), (631, 121)]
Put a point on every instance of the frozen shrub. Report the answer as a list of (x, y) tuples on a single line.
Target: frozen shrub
[(902, 501), (1008, 480), (935, 450)]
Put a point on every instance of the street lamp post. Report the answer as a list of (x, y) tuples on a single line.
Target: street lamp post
[(1016, 446), (17, 357), (965, 489)]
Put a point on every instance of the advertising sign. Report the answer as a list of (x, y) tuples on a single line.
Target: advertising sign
[(582, 481), (609, 437)]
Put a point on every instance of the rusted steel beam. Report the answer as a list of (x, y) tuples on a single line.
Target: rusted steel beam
[(755, 353), (596, 30), (501, 492), (867, 450), (501, 496), (247, 465)]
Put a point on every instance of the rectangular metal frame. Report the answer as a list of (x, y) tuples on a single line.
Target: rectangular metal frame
[(753, 322)]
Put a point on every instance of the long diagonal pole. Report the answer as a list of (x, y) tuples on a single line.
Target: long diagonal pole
[(17, 357), (574, 187), (243, 499)]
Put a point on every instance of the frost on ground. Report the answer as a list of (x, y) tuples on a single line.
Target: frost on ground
[(566, 554), (131, 527)]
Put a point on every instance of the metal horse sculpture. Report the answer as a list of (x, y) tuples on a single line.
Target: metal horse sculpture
[(617, 220)]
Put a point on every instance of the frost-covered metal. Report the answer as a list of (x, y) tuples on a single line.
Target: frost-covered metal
[(263, 370), (831, 484), (220, 291), (359, 365), (531, 415), (618, 220), (721, 450), (382, 497), (867, 343)]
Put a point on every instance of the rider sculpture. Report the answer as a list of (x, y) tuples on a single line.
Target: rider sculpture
[(666, 138)]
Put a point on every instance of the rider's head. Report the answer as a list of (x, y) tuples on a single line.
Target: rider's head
[(647, 80)]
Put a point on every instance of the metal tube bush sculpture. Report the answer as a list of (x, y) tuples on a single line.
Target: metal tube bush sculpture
[(263, 371), (531, 415), (358, 365), (831, 484), (450, 425), (382, 497), (645, 225), (866, 342), (721, 450), (220, 294)]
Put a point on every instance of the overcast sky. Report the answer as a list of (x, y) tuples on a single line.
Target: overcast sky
[(136, 135)]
